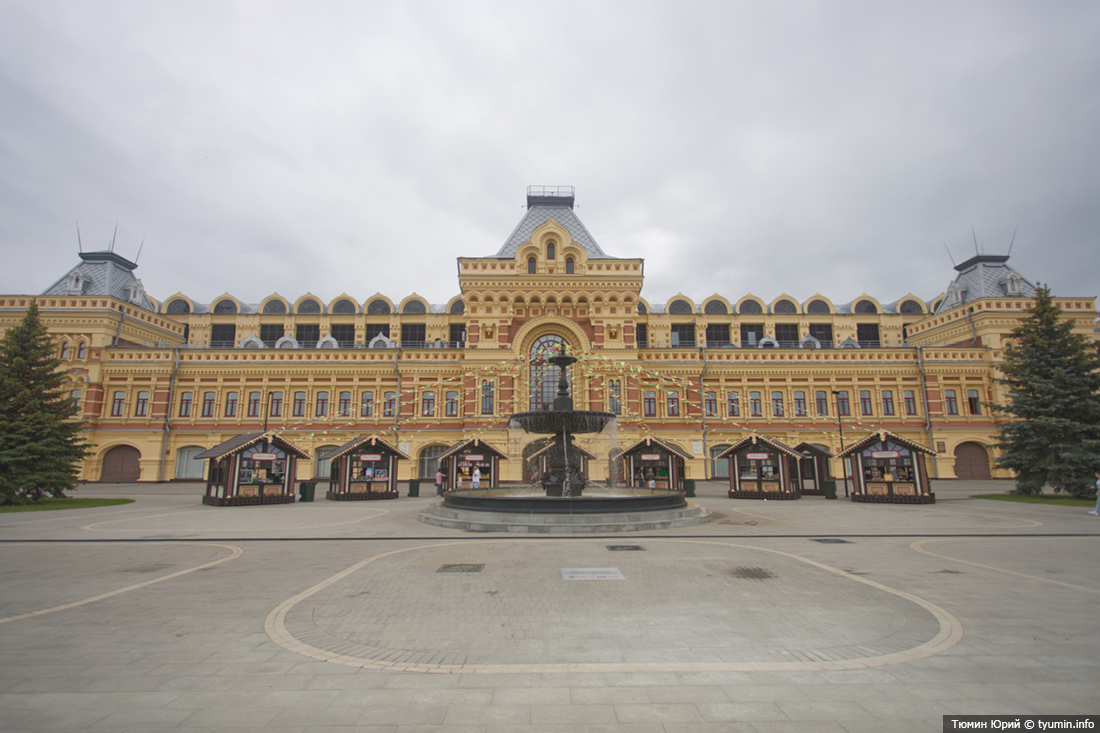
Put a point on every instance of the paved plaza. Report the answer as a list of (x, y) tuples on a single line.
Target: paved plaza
[(808, 615)]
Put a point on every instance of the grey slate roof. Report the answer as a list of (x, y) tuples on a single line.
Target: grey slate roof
[(539, 214), (984, 276), (104, 273)]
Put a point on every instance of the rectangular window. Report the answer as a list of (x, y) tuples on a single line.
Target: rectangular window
[(777, 404), (231, 404), (75, 397), (452, 404), (952, 402), (487, 397), (428, 404), (910, 403), (842, 407), (867, 335), (276, 404), (614, 397), (972, 402), (322, 404), (389, 404), (800, 404), (683, 335), (118, 405), (223, 336), (718, 335), (887, 402), (823, 332), (373, 330), (865, 402), (366, 404), (822, 401), (755, 408), (751, 335), (141, 404), (673, 404), (307, 335), (733, 404), (649, 404), (710, 404), (344, 333), (271, 333), (458, 335), (299, 404), (253, 404), (344, 406), (208, 404), (787, 335), (642, 333), (413, 335)]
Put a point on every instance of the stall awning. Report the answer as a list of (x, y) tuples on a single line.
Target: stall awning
[(241, 442), (475, 445), (371, 441), (649, 443), (581, 449), (880, 437), (811, 450), (761, 441)]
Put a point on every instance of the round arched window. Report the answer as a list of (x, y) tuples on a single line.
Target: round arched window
[(544, 375), (752, 308), (786, 307), (679, 308), (309, 308), (378, 308), (866, 307), (275, 308), (178, 307), (344, 307), (911, 308), (715, 308), (817, 307), (414, 308), (458, 308), (225, 307)]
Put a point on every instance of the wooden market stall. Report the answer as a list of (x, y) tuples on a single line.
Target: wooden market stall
[(460, 460), (889, 469), (661, 464), (251, 468), (762, 468), (365, 468), (815, 468)]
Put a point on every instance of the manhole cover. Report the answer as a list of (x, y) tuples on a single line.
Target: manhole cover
[(625, 548), (831, 541), (461, 568), (752, 573)]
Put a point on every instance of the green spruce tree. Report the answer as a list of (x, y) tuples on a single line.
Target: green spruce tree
[(1053, 376), (40, 442)]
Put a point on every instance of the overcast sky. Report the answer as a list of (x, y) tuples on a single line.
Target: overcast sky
[(360, 147)]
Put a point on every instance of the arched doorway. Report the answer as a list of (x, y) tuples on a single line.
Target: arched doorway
[(971, 461), (543, 374), (186, 465), (429, 461), (121, 464), (719, 467), (322, 466)]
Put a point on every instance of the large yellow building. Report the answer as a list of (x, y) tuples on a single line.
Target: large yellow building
[(159, 381)]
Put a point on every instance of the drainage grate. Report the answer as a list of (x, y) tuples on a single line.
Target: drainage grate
[(831, 541), (752, 573), (460, 568), (625, 548)]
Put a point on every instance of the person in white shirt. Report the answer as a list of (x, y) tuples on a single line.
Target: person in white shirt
[(476, 481)]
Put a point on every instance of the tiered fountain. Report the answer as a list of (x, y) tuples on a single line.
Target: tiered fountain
[(563, 509)]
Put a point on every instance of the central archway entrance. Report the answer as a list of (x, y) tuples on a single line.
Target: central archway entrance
[(971, 461), (121, 464), (543, 384)]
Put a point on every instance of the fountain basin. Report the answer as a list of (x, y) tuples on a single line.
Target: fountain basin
[(573, 422), (500, 500)]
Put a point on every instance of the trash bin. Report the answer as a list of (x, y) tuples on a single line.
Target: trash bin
[(830, 488), (414, 487), (689, 487), (305, 490)]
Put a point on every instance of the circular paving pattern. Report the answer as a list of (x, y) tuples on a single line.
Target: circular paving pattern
[(681, 605)]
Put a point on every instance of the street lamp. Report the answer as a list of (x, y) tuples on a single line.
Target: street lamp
[(840, 427)]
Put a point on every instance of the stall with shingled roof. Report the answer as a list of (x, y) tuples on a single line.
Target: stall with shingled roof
[(365, 468), (763, 468), (462, 458), (537, 463), (889, 469), (815, 468), (661, 464), (251, 468)]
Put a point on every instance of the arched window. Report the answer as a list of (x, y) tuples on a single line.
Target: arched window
[(544, 375), (817, 307), (429, 460), (866, 307), (275, 308), (751, 308), (64, 351), (344, 307), (679, 308), (550, 250), (82, 350), (414, 308), (715, 308), (569, 266), (531, 266), (786, 307), (458, 308), (178, 308), (309, 308), (641, 308), (225, 307), (378, 308), (910, 308)]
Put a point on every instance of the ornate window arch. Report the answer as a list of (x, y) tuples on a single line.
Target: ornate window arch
[(543, 386)]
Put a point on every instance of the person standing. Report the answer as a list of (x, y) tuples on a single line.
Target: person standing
[(439, 482), (475, 482), (1096, 510)]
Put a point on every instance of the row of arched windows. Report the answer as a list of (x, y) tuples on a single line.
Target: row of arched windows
[(66, 351), (309, 306), (783, 306)]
